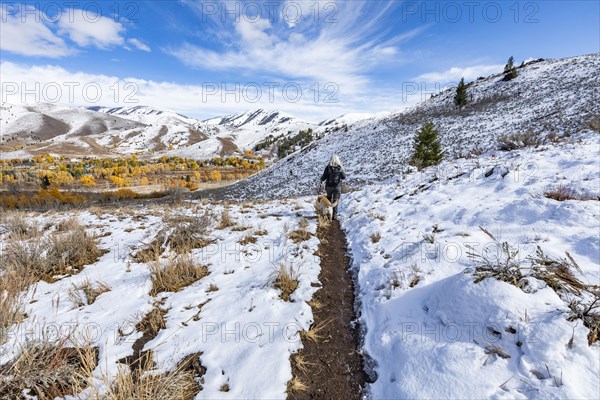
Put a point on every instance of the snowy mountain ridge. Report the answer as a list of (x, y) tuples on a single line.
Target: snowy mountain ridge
[(149, 131)]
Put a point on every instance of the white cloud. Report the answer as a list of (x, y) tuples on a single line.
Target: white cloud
[(454, 74), (193, 100), (27, 37), (89, 29), (33, 33), (340, 44), (139, 44)]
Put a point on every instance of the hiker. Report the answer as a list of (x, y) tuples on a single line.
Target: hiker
[(333, 176)]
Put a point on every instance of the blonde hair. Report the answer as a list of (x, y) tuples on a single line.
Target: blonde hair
[(335, 161)]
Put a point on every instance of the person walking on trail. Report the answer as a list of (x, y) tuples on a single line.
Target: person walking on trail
[(333, 176)]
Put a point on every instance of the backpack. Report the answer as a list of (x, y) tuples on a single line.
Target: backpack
[(334, 177)]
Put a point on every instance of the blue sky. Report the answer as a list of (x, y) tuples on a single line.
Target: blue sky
[(314, 59)]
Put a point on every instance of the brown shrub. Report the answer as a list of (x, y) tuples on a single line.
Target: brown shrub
[(152, 251), (189, 233), (18, 226), (519, 140), (226, 220), (48, 370), (68, 253), (13, 284)]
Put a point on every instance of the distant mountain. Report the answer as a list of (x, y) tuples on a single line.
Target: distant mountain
[(146, 115), (46, 128), (258, 117), (151, 131)]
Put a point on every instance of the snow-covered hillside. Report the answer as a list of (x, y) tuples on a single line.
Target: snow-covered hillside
[(149, 131), (59, 130), (245, 130), (553, 97), (416, 241), (146, 115)]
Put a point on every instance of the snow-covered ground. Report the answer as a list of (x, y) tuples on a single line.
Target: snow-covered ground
[(234, 316), (427, 324)]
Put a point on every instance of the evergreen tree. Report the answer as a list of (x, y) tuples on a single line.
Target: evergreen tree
[(510, 71), (461, 94), (427, 148), (509, 65)]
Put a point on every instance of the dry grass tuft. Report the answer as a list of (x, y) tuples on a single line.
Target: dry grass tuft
[(248, 240), (188, 235), (152, 322), (213, 288), (557, 272), (594, 124), (285, 279), (176, 275), (12, 299), (61, 254), (146, 384), (261, 232), (303, 224), (414, 281), (152, 251), (563, 193), (68, 224), (589, 313), (226, 220), (296, 385), (302, 364), (300, 235), (376, 237), (69, 252), (47, 370), (315, 333), (23, 257), (323, 221), (87, 292), (17, 226), (315, 304), (224, 387), (504, 266)]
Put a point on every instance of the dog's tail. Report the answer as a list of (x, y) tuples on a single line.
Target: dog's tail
[(335, 203)]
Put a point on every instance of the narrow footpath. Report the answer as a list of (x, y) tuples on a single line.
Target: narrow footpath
[(333, 367)]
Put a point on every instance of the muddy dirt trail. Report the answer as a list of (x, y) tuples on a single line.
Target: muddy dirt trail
[(334, 368)]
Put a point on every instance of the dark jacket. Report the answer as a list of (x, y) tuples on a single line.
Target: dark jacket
[(333, 176)]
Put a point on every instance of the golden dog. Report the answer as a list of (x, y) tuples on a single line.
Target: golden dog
[(325, 207)]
